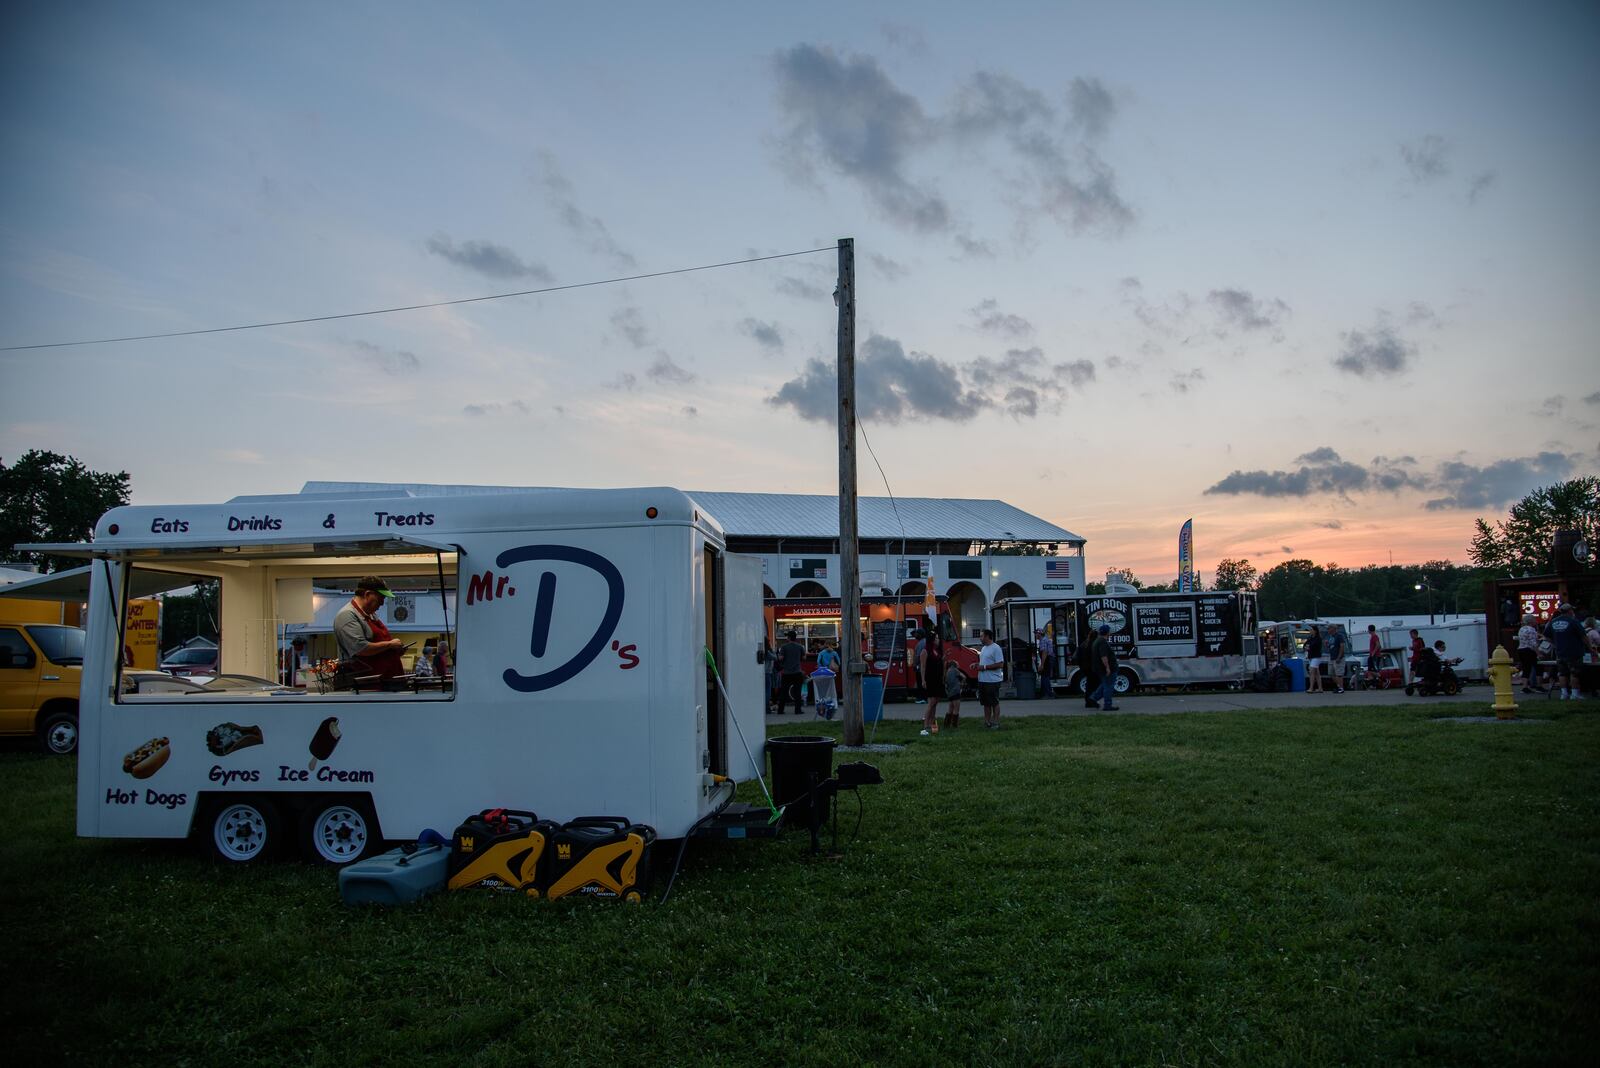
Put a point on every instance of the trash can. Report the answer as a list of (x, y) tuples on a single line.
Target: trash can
[(1027, 685), (823, 689), (1297, 672), (871, 698), (799, 762)]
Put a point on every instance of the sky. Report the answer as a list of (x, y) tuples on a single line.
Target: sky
[(1321, 277)]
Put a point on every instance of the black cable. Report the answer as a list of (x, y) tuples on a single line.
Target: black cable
[(414, 307), (684, 845)]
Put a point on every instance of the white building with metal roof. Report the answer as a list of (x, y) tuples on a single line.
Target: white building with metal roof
[(975, 552)]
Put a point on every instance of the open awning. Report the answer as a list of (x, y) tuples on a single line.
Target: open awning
[(73, 586), (170, 549)]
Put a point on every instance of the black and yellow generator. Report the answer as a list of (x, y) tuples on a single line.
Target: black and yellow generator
[(502, 849), (600, 856)]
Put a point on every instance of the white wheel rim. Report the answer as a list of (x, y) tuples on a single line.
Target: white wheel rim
[(339, 834), (62, 737), (1122, 684), (240, 832)]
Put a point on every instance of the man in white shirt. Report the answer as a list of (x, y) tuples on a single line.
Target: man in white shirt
[(991, 671)]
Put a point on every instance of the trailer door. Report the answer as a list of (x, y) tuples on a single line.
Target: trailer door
[(744, 636)]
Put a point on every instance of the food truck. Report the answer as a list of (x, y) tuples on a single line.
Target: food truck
[(1161, 639), (580, 683), (888, 629)]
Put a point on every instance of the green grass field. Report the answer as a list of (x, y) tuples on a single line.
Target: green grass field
[(1311, 887)]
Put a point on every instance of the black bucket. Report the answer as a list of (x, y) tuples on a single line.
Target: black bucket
[(799, 763)]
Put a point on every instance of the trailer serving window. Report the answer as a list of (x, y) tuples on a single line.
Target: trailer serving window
[(273, 608)]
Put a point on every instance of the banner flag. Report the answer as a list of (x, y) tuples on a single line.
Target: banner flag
[(1186, 558)]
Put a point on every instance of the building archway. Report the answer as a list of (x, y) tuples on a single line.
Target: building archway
[(913, 589), (767, 594), (969, 609), (808, 589), (1009, 589)]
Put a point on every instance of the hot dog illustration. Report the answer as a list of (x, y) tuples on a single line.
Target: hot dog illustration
[(323, 742), (148, 759)]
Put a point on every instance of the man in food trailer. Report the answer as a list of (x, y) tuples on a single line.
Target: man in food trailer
[(363, 637)]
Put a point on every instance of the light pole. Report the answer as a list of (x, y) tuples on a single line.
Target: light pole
[(1426, 585)]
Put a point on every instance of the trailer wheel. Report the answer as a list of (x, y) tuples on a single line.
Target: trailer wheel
[(1125, 683), (338, 833), (58, 732), (244, 830)]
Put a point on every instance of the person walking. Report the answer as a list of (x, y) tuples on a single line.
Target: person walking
[(790, 657), (1528, 654), (1314, 660), (1105, 656), (1045, 660), (991, 672), (1568, 643), (1089, 672), (931, 667), (1374, 649), (1336, 654), (954, 682)]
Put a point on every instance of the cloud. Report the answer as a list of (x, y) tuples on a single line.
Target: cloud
[(1498, 484), (630, 324), (1168, 318), (844, 111), (664, 372), (765, 333), (487, 258), (991, 320), (1459, 484), (1593, 398), (626, 382), (904, 36), (241, 456), (974, 248), (478, 411), (589, 229), (892, 385), (1241, 308), (1374, 353), (1427, 158), (791, 286), (1319, 471), (1551, 407), (1183, 383), (892, 270), (844, 115), (1332, 524), (389, 361), (1481, 184), (689, 410), (1091, 107)]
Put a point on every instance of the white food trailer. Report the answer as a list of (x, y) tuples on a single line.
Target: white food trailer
[(580, 684)]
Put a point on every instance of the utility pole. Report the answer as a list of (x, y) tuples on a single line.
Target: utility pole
[(849, 545)]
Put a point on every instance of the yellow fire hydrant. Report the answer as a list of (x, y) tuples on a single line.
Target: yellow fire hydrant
[(1500, 668)]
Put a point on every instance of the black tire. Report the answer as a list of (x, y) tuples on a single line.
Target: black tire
[(1282, 679), (58, 732), (1126, 683), (1410, 689), (1451, 687), (338, 831), (243, 828)]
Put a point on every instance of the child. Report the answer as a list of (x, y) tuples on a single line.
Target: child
[(954, 680)]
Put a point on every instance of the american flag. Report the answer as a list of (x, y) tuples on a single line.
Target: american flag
[(1058, 569)]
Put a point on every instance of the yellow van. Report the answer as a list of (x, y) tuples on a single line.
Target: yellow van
[(41, 667)]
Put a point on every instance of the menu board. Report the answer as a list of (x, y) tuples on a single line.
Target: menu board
[(889, 641), (1219, 631)]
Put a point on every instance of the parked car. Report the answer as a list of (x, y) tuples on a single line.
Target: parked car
[(195, 660), (41, 667)]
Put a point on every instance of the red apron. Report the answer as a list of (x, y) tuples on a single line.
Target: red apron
[(386, 664)]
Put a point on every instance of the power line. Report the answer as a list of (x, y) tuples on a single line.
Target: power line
[(415, 307)]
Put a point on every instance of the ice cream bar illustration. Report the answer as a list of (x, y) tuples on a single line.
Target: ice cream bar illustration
[(324, 740)]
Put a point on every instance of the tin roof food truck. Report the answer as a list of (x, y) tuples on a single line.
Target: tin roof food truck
[(580, 683)]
